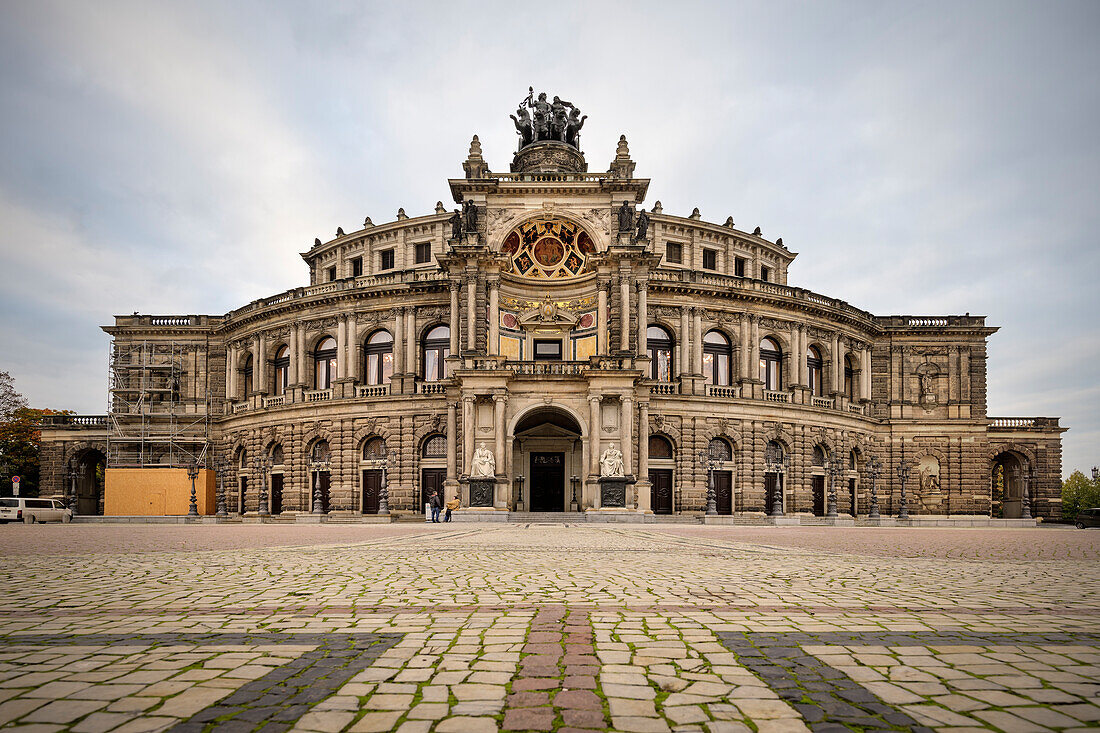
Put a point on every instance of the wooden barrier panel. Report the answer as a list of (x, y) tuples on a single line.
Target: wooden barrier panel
[(156, 492)]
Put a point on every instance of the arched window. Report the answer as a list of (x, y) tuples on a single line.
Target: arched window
[(773, 452), (276, 455), (853, 460), (436, 348), (435, 447), (720, 450), (320, 452), (660, 354), (659, 447), (849, 381), (771, 365), (324, 362), (374, 449), (717, 355), (378, 356), (282, 369), (813, 370), (242, 458), (819, 456), (248, 376)]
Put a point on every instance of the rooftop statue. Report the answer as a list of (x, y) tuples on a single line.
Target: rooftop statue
[(538, 120)]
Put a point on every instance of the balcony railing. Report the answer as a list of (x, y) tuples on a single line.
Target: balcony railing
[(665, 388), (856, 409), (73, 421), (547, 368), (821, 402), (277, 401), (239, 407), (721, 390), (372, 390), (1023, 423), (431, 388), (317, 395), (777, 396)]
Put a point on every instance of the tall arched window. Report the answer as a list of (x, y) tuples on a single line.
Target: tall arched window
[(819, 456), (378, 357), (813, 370), (248, 382), (435, 447), (282, 370), (717, 355), (771, 365), (324, 362), (436, 348), (659, 447), (242, 459), (849, 381), (720, 450), (660, 353)]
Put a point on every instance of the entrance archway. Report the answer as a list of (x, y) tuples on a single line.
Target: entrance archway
[(89, 465), (1007, 485), (548, 444)]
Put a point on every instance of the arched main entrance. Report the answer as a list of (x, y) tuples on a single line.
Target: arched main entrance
[(548, 447), (88, 467), (1007, 490)]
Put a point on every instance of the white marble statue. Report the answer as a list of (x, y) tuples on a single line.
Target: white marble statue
[(611, 462), (484, 463)]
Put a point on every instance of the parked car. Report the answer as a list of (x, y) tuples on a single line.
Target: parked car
[(1088, 518), (29, 511)]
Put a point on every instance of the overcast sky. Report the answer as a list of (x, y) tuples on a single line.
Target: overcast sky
[(922, 158)]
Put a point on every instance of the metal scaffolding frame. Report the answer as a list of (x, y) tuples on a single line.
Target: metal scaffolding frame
[(149, 424)]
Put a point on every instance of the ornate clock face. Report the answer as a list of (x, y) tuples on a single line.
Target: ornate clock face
[(548, 248)]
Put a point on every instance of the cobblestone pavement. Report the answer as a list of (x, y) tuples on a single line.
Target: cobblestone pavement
[(568, 628)]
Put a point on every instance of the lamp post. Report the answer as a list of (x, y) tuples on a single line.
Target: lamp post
[(903, 476), (830, 471), (710, 464), (777, 464), (263, 463), (874, 468), (73, 475), (574, 481), (318, 467), (517, 483), (221, 467), (384, 489), (192, 473), (1025, 509)]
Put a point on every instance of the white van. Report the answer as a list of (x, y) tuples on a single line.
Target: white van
[(29, 511)]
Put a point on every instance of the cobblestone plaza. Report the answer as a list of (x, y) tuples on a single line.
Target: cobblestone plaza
[(547, 627)]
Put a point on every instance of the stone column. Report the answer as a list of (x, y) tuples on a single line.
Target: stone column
[(259, 366), (493, 347), (594, 435), (642, 488), (685, 343), (341, 347), (454, 286), (398, 340), (865, 374), (355, 362), (468, 430), (754, 347), (452, 443), (471, 312), (303, 372), (643, 319), (601, 319), (697, 340), (624, 314), (292, 368), (626, 425), (501, 491), (230, 372), (746, 349), (410, 340), (798, 356), (835, 371)]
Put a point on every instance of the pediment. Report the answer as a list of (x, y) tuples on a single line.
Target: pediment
[(546, 430)]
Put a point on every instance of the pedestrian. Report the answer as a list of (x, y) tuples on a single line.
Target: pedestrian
[(451, 506), (436, 505)]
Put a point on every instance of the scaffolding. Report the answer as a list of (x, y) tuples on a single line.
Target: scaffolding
[(150, 424)]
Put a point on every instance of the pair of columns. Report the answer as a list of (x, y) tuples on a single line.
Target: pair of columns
[(469, 431), (404, 339)]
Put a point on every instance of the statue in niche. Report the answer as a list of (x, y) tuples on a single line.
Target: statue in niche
[(469, 213), (643, 226), (626, 217), (927, 384), (456, 225), (611, 462), (484, 464)]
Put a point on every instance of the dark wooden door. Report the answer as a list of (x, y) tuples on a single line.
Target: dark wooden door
[(242, 491), (547, 482), (770, 481), (723, 491), (431, 479), (276, 493), (372, 490), (661, 493), (818, 487), (852, 495)]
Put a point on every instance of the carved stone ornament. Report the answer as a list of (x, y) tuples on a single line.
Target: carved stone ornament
[(780, 433), (775, 324), (927, 374), (599, 218)]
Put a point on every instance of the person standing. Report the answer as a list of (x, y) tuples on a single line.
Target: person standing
[(451, 506), (436, 505)]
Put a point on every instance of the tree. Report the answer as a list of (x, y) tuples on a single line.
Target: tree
[(1079, 492), (20, 445), (10, 399)]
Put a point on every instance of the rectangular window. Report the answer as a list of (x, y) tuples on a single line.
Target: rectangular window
[(710, 259), (385, 259), (739, 266), (547, 350), (423, 253), (674, 252), (765, 272), (356, 266), (332, 274)]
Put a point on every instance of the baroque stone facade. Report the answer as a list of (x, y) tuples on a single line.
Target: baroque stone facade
[(549, 319)]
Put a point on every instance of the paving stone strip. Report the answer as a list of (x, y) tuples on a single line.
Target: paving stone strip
[(829, 700), (274, 701), (556, 686)]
